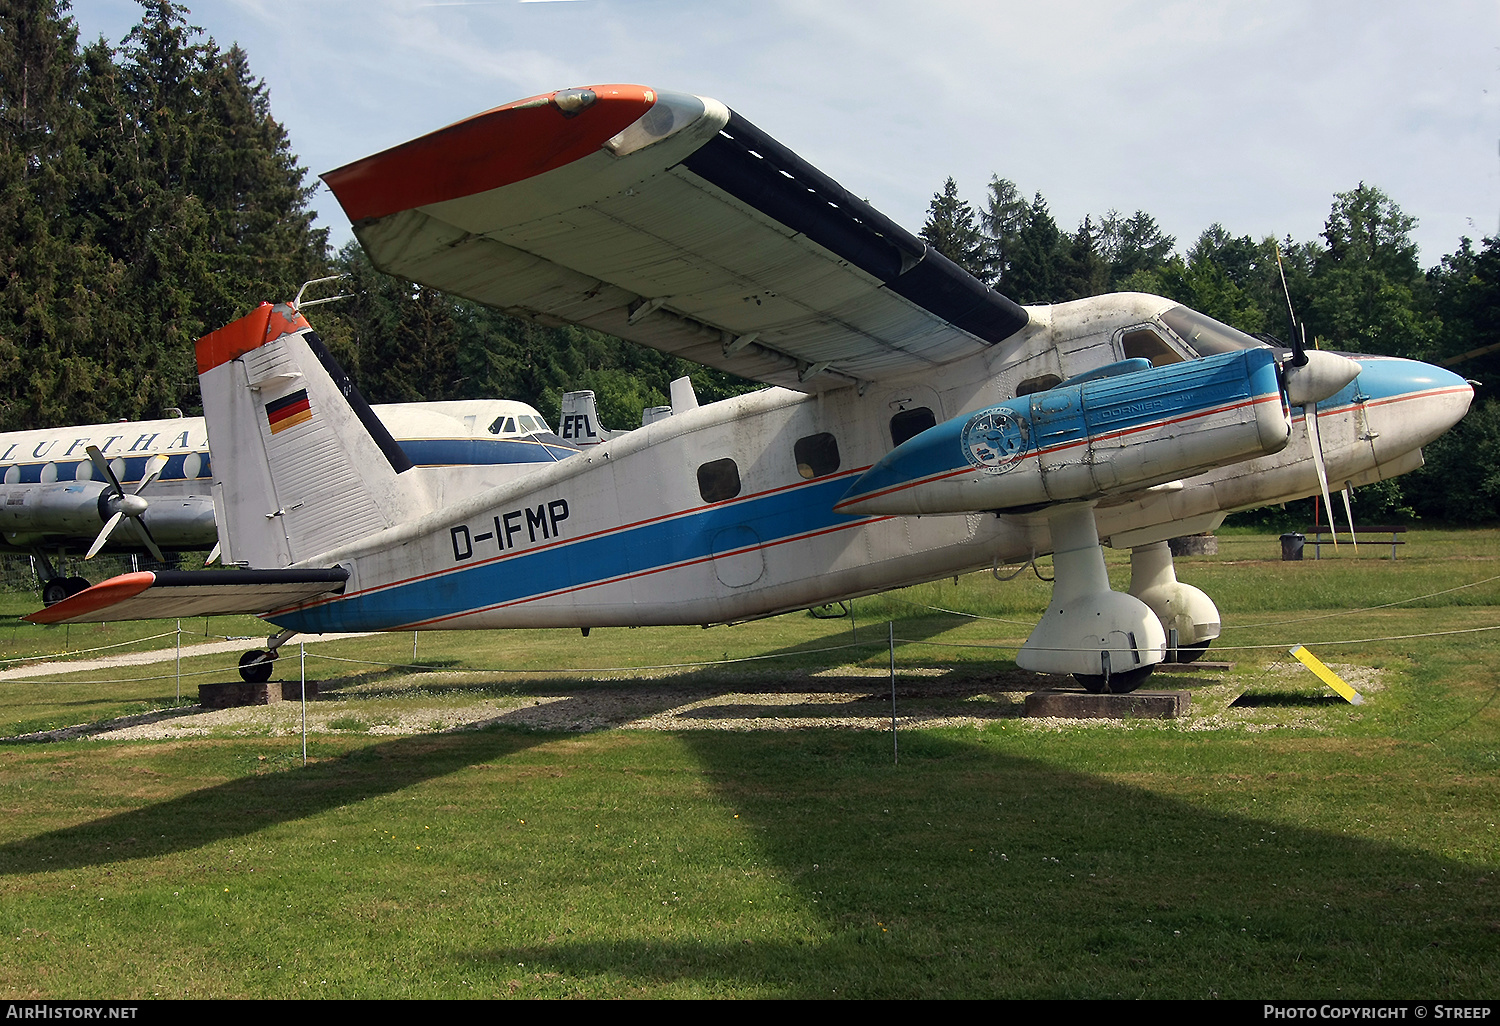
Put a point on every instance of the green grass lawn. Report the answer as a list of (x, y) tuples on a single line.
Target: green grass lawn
[(1273, 844)]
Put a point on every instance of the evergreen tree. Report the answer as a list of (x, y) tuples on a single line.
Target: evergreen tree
[(1082, 271), (1132, 245), (1005, 214), (1033, 275), (951, 229), (46, 306)]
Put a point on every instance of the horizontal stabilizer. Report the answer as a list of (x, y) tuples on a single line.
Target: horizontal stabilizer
[(162, 594)]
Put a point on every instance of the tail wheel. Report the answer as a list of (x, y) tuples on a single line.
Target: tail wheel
[(1115, 683), (255, 665)]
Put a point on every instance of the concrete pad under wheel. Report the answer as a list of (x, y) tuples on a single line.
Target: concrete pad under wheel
[(234, 694), (1080, 705)]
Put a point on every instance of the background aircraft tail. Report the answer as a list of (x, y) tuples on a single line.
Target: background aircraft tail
[(579, 422), (301, 463)]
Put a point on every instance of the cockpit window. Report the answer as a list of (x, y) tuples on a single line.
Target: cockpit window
[(1144, 343), (503, 425), (1207, 336)]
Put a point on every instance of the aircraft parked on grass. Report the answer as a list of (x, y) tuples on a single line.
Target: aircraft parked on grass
[(924, 425)]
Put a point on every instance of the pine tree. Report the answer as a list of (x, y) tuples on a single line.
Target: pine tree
[(952, 231), (45, 304), (1033, 275)]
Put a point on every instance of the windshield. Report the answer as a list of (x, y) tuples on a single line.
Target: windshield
[(1207, 336)]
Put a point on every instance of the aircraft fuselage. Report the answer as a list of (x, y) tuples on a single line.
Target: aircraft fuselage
[(726, 511)]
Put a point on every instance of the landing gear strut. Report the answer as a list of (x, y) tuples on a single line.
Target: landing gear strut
[(256, 664), (1107, 640), (1183, 610)]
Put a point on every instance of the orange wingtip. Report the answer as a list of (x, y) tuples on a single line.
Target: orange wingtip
[(263, 324), (101, 595), (508, 144)]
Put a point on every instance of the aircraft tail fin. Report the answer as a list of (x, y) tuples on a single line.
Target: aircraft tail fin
[(302, 465), (579, 422)]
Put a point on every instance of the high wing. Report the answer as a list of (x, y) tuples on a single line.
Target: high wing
[(162, 594), (669, 220)]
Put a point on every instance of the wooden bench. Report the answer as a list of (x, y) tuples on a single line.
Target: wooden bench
[(1366, 535)]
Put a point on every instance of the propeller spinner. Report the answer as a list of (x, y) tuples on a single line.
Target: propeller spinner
[(118, 505)]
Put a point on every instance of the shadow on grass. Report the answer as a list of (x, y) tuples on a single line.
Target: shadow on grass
[(967, 871), (1287, 701), (247, 804)]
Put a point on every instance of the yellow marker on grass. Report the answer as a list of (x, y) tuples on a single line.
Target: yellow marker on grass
[(1328, 677)]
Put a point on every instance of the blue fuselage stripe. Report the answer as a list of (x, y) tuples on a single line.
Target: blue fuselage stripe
[(626, 551)]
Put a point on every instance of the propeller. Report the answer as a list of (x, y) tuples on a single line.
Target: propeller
[(119, 506), (1308, 379), (1348, 512)]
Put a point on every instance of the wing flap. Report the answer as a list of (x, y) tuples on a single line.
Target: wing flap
[(163, 594)]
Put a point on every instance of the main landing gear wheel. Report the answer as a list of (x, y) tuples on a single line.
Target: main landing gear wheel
[(1192, 653), (1115, 683), (59, 588), (255, 665)]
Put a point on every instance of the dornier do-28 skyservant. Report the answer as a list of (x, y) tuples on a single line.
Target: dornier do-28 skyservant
[(922, 424)]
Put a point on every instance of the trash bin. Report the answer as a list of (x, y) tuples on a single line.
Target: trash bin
[(1291, 546)]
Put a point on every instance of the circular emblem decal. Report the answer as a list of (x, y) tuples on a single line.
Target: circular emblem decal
[(994, 440)]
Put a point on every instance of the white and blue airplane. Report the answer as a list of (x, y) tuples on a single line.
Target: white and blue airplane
[(921, 424)]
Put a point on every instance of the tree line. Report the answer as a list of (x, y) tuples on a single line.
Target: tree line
[(148, 196)]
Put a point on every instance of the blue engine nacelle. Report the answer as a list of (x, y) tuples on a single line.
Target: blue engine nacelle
[(1117, 428)]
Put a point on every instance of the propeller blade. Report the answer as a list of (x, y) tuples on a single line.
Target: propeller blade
[(145, 533), (1310, 418), (109, 526), (102, 465), (1299, 340), (154, 466), (1349, 512), (213, 555)]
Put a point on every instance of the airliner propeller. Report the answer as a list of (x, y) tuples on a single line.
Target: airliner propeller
[(118, 506)]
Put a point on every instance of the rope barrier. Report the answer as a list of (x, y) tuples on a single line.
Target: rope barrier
[(85, 651)]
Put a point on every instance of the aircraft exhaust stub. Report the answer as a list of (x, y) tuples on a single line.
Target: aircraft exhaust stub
[(1085, 440)]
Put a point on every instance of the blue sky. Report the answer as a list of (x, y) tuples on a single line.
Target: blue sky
[(1252, 114)]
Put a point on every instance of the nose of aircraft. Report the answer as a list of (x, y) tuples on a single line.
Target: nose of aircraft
[(1409, 403)]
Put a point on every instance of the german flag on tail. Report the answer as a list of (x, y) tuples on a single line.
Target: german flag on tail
[(288, 411)]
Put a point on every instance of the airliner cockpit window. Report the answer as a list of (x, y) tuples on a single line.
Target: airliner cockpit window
[(1207, 336)]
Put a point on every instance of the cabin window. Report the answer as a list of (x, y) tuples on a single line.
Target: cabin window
[(719, 480), (1040, 383), (816, 455), (1145, 344), (910, 423)]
